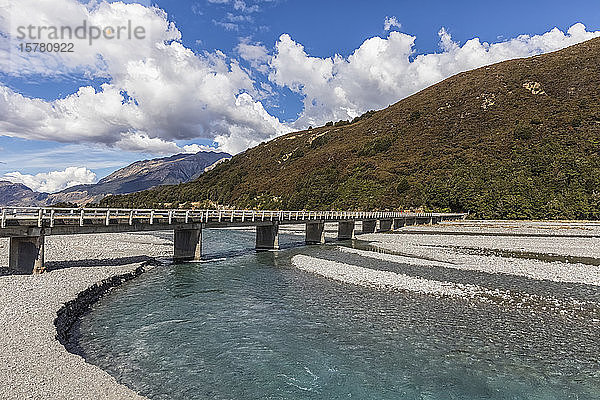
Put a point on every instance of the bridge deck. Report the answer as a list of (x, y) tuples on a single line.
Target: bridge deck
[(19, 221), (27, 227)]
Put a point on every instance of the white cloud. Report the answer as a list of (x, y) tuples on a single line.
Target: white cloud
[(255, 53), (54, 181), (195, 148), (391, 22), (228, 26), (141, 142), (384, 70), (240, 5), (174, 94)]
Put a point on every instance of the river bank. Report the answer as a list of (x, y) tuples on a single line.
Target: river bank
[(33, 363)]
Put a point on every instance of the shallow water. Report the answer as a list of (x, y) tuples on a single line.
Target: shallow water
[(252, 327)]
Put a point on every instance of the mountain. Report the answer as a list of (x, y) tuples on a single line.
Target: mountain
[(16, 194), (140, 175), (518, 139)]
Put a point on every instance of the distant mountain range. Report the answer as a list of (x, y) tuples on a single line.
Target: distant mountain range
[(17, 194), (518, 139), (140, 175)]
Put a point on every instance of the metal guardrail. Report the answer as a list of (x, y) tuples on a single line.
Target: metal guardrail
[(48, 217)]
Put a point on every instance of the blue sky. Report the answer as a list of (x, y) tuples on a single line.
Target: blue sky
[(321, 28)]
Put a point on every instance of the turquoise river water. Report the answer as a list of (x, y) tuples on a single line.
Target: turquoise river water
[(247, 325)]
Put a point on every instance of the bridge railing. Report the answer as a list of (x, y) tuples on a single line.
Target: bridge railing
[(43, 217)]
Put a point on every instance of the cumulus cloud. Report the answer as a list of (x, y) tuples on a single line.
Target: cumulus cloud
[(141, 142), (195, 148), (159, 90), (391, 22), (255, 53), (384, 70), (54, 181)]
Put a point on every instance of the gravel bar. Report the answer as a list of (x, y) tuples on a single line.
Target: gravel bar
[(367, 277), (507, 228)]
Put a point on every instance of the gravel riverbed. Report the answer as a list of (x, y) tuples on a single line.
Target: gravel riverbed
[(492, 254), (33, 363)]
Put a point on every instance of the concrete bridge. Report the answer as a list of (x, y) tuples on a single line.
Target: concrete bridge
[(27, 227)]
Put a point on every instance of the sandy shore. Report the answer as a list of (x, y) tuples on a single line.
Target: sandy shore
[(33, 363)]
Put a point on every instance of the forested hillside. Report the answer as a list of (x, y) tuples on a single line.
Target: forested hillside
[(519, 139)]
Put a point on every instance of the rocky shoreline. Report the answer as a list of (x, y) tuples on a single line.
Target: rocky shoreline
[(74, 309)]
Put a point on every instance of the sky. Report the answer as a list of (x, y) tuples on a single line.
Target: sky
[(228, 74)]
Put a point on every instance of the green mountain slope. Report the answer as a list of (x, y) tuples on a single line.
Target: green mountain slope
[(519, 139)]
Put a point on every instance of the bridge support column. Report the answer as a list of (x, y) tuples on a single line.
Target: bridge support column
[(346, 230), (369, 226), (385, 225), (26, 255), (398, 223), (188, 244), (315, 232), (267, 237)]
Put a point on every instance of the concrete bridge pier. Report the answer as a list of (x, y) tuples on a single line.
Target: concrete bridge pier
[(398, 223), (267, 237), (315, 232), (385, 225), (346, 230), (369, 226), (188, 244), (26, 255)]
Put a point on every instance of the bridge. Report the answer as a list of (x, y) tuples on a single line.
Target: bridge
[(27, 227)]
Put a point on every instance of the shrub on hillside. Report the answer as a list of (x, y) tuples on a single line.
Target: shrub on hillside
[(376, 146), (364, 116), (319, 141), (414, 116), (523, 131)]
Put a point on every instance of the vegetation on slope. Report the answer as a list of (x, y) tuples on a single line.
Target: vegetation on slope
[(519, 139)]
